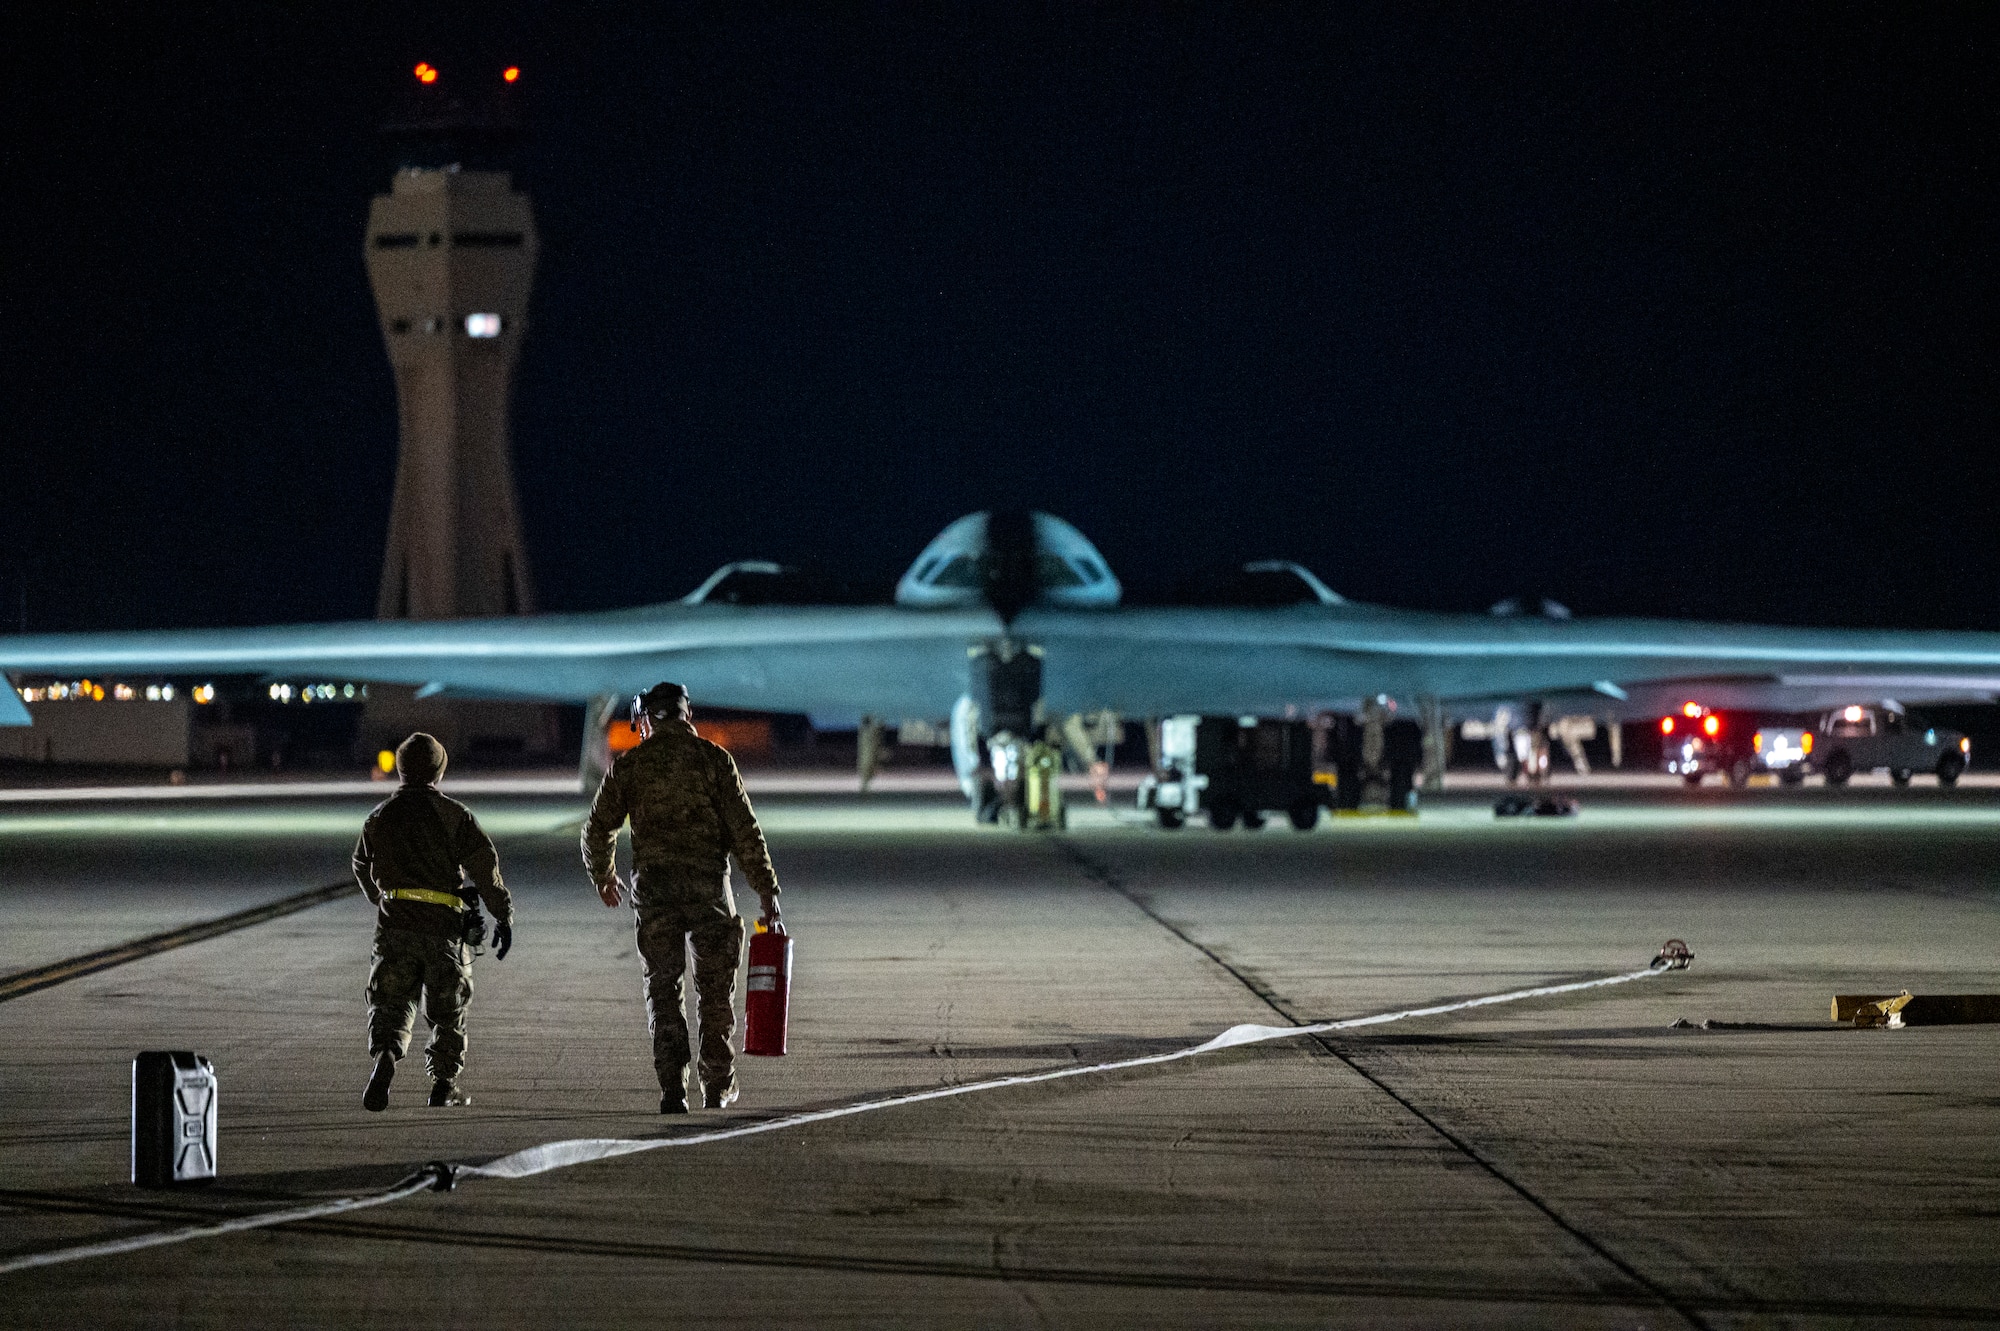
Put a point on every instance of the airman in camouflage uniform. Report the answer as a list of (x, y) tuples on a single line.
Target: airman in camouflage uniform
[(689, 814), (424, 862)]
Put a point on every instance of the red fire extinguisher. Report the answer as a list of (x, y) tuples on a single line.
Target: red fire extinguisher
[(768, 993)]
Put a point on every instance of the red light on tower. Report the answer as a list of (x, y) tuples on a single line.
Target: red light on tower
[(512, 73), (426, 73)]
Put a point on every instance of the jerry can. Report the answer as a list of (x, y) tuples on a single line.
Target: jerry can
[(173, 1119)]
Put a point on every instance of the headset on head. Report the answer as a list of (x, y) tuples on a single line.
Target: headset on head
[(642, 719)]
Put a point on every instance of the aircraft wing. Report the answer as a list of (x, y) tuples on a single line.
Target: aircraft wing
[(1150, 662), (895, 661), (883, 660)]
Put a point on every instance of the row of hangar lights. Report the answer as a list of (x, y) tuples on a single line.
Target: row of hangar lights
[(90, 690)]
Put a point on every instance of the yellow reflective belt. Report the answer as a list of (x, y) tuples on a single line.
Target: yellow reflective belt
[(451, 899)]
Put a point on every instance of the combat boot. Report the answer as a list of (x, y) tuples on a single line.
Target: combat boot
[(376, 1098), (446, 1095), (719, 1097)]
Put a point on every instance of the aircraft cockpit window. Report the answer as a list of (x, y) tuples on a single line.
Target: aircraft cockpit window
[(1054, 571), (958, 571), (1011, 563)]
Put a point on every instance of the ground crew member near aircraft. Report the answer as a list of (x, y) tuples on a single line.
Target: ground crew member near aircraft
[(689, 815), (425, 863)]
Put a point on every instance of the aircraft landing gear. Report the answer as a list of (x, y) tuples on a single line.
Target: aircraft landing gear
[(994, 762)]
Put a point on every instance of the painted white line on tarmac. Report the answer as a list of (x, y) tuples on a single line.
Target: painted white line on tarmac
[(561, 1155), (583, 1150), (112, 1248)]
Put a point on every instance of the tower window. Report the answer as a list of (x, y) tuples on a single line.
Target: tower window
[(482, 325), (487, 239), (399, 325), (398, 241)]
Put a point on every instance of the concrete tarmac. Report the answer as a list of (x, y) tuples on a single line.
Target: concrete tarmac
[(1574, 1161)]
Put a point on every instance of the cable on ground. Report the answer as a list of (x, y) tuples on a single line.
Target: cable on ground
[(439, 1176)]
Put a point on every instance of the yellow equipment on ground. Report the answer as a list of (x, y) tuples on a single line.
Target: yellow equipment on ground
[(1041, 788)]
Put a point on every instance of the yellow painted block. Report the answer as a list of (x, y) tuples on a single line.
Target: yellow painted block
[(1920, 1010), (1846, 1005)]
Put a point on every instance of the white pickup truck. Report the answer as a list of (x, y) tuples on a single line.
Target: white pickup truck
[(1868, 737)]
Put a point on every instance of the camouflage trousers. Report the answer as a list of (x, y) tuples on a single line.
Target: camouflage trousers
[(664, 932), (408, 965)]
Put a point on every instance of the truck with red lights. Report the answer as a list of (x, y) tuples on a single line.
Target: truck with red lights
[(1698, 740)]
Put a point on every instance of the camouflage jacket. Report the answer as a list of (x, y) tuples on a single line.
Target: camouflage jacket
[(689, 814), (418, 838)]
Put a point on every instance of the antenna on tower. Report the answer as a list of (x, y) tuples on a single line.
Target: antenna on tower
[(464, 113)]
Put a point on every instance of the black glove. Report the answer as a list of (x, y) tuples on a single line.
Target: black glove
[(503, 938)]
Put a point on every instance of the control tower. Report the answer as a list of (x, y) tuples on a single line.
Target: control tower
[(451, 257)]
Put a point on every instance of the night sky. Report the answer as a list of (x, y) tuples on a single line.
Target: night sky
[(1681, 310)]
